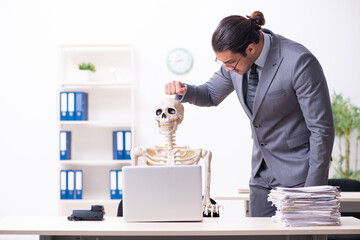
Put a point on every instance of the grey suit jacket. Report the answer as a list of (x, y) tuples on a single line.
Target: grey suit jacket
[(292, 122)]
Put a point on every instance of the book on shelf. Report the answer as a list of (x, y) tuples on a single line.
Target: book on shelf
[(119, 185), (65, 145), (81, 108), (73, 106), (115, 178), (78, 184), (63, 184), (118, 145), (71, 184), (127, 144), (63, 106), (121, 144)]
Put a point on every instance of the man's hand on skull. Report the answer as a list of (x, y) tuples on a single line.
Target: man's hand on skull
[(175, 87)]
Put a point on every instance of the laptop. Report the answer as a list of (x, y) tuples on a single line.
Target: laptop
[(162, 193)]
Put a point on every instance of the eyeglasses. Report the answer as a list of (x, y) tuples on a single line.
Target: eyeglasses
[(225, 63)]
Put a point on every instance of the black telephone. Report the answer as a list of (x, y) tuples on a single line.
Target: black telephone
[(95, 214)]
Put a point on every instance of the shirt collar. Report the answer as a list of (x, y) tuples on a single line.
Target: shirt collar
[(260, 61)]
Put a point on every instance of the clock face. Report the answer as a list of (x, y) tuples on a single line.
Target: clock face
[(179, 61)]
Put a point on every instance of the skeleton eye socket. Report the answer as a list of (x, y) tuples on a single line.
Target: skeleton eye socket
[(158, 112), (171, 111)]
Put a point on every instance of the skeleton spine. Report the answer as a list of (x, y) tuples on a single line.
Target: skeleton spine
[(170, 141)]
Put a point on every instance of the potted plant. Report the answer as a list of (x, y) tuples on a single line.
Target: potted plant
[(347, 135), (86, 69)]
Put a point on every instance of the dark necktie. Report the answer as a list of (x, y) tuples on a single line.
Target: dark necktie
[(251, 89)]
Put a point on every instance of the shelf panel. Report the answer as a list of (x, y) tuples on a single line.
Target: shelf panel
[(90, 201), (96, 123), (95, 162), (88, 49), (126, 85)]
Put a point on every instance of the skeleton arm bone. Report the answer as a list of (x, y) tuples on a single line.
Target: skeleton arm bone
[(207, 206), (135, 153)]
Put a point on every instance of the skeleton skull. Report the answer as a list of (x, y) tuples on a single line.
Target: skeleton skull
[(169, 114)]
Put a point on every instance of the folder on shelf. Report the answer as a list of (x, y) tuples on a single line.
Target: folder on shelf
[(63, 184), (127, 144), (118, 145), (119, 184), (81, 106), (71, 184), (113, 184), (65, 145), (71, 106), (78, 184), (63, 106)]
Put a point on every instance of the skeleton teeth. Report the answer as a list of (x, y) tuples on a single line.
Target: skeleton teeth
[(165, 124)]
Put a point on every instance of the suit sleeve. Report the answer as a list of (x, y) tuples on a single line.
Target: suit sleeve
[(211, 93), (313, 96)]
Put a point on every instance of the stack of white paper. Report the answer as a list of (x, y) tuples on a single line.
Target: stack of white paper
[(306, 206)]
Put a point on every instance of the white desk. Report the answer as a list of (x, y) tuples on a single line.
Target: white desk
[(241, 228), (345, 196), (349, 201)]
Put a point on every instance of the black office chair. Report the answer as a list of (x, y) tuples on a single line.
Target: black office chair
[(346, 185), (120, 209)]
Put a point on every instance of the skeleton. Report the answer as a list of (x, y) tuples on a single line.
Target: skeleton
[(169, 114)]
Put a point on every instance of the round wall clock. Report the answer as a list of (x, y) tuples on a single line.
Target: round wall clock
[(179, 61)]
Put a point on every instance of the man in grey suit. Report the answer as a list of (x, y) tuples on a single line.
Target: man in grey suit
[(283, 90)]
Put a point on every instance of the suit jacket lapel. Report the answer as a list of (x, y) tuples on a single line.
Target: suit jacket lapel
[(268, 74)]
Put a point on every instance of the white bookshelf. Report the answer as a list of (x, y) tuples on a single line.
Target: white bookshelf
[(110, 107)]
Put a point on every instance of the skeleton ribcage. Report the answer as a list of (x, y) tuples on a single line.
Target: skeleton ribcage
[(180, 155)]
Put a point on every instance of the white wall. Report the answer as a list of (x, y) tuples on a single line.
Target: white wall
[(32, 30)]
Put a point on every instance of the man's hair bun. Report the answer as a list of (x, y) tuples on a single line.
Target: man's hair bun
[(258, 17)]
